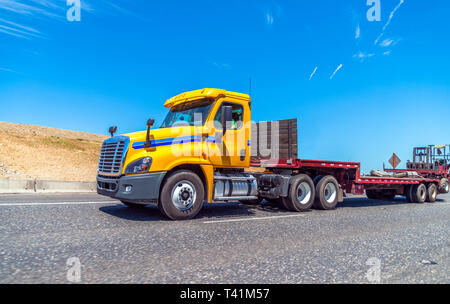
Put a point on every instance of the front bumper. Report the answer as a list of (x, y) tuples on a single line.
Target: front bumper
[(142, 188)]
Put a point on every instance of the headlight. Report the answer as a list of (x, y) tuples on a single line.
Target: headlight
[(139, 166)]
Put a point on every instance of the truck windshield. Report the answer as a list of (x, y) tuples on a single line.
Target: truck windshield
[(193, 114)]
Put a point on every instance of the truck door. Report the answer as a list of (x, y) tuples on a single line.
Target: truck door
[(232, 149)]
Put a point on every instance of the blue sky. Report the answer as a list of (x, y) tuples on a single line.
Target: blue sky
[(361, 89)]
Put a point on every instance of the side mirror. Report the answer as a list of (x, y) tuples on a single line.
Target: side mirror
[(150, 124), (226, 117), (112, 130)]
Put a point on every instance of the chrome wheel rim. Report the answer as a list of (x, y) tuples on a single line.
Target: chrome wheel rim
[(330, 193), (184, 195), (304, 193)]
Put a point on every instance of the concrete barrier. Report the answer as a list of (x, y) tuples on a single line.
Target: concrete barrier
[(17, 186), (61, 186), (41, 186)]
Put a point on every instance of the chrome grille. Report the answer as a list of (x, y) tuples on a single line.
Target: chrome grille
[(111, 156)]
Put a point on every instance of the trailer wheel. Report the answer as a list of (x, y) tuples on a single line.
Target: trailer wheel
[(301, 194), (408, 193), (133, 205), (443, 186), (181, 195), (419, 193), (431, 193), (327, 191)]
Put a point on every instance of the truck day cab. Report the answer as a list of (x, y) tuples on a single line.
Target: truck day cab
[(202, 152)]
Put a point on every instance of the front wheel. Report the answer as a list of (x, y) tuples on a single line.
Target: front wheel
[(181, 195)]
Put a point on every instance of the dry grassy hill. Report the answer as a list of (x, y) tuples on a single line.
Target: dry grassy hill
[(28, 151)]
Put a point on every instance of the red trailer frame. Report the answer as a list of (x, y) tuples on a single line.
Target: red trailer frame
[(348, 174)]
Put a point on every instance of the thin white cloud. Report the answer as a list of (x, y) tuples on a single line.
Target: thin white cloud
[(362, 55), (7, 70), (386, 53), (335, 71), (26, 28), (32, 10), (13, 34), (391, 16), (358, 32), (225, 66), (313, 73), (386, 42), (271, 12), (269, 18), (18, 7), (15, 30)]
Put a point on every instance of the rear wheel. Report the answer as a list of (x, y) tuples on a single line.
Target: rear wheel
[(181, 195), (419, 193), (408, 193), (301, 194), (443, 186), (431, 193), (327, 191)]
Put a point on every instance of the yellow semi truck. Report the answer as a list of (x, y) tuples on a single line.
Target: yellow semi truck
[(202, 149)]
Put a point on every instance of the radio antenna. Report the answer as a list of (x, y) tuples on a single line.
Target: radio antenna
[(250, 87)]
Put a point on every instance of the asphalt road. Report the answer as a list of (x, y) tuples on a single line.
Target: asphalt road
[(225, 244)]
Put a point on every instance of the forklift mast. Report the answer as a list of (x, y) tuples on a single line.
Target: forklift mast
[(432, 157)]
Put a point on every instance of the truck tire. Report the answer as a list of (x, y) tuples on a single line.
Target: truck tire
[(182, 195), (408, 193), (443, 186), (419, 193), (432, 193), (301, 194), (133, 205), (327, 191)]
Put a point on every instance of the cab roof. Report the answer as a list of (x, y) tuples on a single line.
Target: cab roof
[(201, 94)]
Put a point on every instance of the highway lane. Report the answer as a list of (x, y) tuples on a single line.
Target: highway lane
[(226, 243)]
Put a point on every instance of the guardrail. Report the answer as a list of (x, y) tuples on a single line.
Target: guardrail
[(11, 186)]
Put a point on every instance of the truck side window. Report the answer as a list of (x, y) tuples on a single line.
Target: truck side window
[(237, 116)]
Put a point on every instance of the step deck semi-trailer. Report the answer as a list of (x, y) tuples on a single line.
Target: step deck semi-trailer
[(207, 150)]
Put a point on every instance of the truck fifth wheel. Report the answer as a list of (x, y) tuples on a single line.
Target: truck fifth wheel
[(207, 150)]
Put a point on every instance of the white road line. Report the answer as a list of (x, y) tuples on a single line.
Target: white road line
[(57, 203), (253, 218)]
